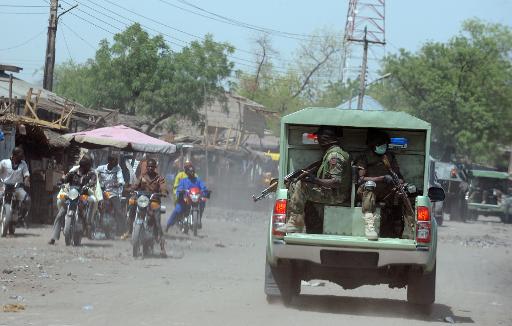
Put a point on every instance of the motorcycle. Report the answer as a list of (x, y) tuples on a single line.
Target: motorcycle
[(76, 212), (105, 219), (10, 209), (148, 212), (193, 199)]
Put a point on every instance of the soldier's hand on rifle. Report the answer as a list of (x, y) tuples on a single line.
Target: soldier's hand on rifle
[(388, 179), (309, 177)]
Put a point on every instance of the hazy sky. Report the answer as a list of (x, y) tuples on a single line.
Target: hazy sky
[(409, 23)]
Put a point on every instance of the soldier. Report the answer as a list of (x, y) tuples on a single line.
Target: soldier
[(375, 181), (330, 185)]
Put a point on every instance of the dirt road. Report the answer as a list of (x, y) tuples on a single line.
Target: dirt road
[(217, 279)]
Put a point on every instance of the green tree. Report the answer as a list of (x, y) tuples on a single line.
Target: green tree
[(463, 87), (140, 74)]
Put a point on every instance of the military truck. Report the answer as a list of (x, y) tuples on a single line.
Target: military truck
[(334, 247), (489, 194)]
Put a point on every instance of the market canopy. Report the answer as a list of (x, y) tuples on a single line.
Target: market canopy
[(123, 138)]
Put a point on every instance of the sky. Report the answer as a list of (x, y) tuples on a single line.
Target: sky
[(409, 23)]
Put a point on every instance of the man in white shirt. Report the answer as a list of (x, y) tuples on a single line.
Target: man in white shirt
[(111, 180), (15, 170)]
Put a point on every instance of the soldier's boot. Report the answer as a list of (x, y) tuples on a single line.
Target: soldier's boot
[(408, 232), (295, 224), (369, 226)]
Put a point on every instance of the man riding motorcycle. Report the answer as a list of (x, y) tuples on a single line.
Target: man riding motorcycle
[(13, 171), (81, 176), (152, 182), (192, 180), (111, 180)]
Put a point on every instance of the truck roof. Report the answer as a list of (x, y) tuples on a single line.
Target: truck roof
[(356, 118)]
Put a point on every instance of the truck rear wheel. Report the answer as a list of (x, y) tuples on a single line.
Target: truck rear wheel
[(421, 287), (281, 282)]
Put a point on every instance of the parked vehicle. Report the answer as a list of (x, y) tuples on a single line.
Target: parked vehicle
[(437, 207), (104, 220), (149, 210), (336, 248), (192, 219), (454, 180), (489, 194), (76, 212), (10, 209)]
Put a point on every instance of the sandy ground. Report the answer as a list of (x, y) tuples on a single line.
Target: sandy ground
[(217, 279)]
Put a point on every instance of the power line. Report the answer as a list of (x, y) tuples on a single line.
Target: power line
[(233, 22), (159, 32), (78, 35), (66, 43), (24, 42), (22, 13), (23, 6)]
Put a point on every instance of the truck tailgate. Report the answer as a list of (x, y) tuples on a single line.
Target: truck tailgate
[(327, 240)]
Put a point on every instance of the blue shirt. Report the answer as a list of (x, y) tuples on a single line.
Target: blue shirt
[(187, 183)]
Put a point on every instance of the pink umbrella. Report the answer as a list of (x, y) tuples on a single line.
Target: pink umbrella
[(123, 138)]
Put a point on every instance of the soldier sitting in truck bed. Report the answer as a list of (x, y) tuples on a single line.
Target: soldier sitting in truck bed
[(376, 183), (330, 185)]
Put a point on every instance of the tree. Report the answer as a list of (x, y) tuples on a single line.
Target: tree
[(140, 74), (463, 87)]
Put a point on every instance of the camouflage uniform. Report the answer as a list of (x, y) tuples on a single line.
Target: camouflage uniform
[(335, 165), (375, 167)]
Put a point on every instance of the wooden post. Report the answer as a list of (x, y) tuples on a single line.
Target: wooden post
[(215, 136), (227, 139)]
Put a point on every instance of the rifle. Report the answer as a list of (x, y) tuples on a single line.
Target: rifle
[(399, 186), (291, 177)]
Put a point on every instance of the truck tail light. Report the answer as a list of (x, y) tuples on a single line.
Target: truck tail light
[(279, 217), (423, 225)]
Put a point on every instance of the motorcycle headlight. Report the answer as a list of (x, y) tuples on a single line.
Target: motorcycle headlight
[(194, 197), (73, 194), (143, 201)]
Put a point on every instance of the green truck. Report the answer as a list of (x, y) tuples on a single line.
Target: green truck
[(489, 194), (334, 247)]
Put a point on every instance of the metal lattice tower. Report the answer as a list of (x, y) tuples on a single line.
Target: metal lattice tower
[(365, 25)]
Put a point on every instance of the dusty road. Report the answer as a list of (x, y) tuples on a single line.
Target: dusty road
[(217, 279)]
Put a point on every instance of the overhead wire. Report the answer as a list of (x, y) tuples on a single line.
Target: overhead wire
[(236, 59), (24, 42)]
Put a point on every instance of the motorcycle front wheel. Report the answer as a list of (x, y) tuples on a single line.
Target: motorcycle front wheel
[(136, 239), (195, 221), (4, 217), (67, 229)]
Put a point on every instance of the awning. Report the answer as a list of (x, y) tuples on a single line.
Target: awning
[(123, 138)]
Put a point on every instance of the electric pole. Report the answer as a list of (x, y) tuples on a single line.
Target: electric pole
[(369, 14), (49, 61), (362, 75)]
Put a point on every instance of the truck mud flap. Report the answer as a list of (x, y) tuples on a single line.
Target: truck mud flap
[(348, 259)]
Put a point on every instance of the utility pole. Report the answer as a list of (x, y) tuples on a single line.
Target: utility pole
[(369, 14), (49, 61), (362, 75)]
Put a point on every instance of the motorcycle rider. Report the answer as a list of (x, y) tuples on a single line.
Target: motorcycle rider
[(179, 176), (81, 176), (152, 182), (15, 170), (192, 180), (111, 180)]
